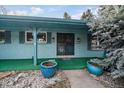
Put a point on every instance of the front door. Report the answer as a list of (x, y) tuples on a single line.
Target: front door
[(65, 44)]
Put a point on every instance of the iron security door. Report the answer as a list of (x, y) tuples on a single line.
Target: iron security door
[(65, 43)]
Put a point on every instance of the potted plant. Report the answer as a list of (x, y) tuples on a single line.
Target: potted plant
[(48, 68), (94, 68)]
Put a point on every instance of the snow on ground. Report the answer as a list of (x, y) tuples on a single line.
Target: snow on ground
[(34, 79)]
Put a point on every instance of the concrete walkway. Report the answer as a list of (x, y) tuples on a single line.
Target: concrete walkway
[(82, 79)]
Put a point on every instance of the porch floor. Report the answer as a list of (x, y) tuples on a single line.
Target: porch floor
[(27, 64)]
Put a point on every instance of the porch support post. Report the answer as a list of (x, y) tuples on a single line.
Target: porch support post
[(35, 45)]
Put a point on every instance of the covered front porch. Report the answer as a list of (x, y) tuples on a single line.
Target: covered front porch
[(18, 55)]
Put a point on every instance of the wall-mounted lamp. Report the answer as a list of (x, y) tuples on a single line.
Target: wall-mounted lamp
[(53, 39), (78, 39)]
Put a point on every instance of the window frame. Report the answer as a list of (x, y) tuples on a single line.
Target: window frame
[(97, 44), (1, 42), (26, 41), (41, 42)]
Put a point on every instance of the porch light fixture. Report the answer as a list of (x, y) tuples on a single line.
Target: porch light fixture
[(53, 39), (78, 39)]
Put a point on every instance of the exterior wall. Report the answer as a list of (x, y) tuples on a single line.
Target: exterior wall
[(25, 51), (15, 50)]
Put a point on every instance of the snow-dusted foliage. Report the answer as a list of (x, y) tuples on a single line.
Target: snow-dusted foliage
[(109, 27)]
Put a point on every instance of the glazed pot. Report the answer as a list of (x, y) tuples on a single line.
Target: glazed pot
[(48, 68), (94, 69)]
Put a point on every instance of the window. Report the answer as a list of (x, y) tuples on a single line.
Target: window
[(95, 43), (28, 37), (42, 37), (2, 36)]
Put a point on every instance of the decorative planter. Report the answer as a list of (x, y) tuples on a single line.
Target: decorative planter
[(94, 69), (48, 68)]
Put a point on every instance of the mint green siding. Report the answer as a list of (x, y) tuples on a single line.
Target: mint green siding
[(16, 50)]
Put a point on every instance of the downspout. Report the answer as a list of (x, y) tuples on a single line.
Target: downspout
[(35, 45)]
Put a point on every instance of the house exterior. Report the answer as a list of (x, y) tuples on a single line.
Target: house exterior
[(24, 37)]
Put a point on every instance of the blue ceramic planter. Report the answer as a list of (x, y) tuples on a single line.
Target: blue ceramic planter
[(95, 70), (48, 68)]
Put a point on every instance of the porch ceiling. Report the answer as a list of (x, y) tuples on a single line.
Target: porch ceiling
[(23, 22)]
